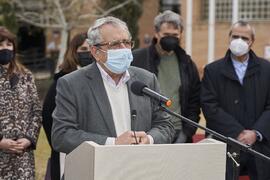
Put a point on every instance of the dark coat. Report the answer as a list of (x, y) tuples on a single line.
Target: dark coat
[(48, 107), (148, 58), (230, 107)]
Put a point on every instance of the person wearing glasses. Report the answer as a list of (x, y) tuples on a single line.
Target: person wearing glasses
[(176, 72), (235, 99), (95, 103)]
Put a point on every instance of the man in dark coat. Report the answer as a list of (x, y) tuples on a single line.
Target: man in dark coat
[(177, 74), (235, 97)]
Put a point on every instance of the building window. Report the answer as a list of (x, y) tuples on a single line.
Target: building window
[(251, 10)]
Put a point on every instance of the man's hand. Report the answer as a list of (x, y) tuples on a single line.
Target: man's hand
[(128, 137), (142, 137), (247, 137)]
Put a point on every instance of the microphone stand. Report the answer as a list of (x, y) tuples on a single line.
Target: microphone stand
[(234, 146)]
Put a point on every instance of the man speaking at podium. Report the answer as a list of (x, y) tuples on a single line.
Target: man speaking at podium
[(96, 104)]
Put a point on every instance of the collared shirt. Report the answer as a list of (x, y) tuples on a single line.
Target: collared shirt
[(118, 93), (106, 77), (240, 68)]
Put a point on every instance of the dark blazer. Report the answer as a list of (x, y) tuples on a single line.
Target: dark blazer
[(189, 91), (230, 107), (47, 120), (83, 111)]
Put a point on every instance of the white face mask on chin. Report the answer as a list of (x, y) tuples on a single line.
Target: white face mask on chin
[(239, 47)]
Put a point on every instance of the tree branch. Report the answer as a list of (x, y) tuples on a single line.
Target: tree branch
[(38, 24), (71, 4), (117, 7), (105, 13), (95, 4), (61, 14), (53, 15)]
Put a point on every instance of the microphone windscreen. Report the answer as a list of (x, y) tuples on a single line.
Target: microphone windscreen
[(137, 87)]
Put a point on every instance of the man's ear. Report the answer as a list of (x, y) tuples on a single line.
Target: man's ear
[(181, 34), (156, 35), (95, 52), (251, 43)]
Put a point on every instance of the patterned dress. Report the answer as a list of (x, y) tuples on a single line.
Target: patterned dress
[(20, 117)]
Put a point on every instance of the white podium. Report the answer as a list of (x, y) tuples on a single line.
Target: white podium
[(199, 161)]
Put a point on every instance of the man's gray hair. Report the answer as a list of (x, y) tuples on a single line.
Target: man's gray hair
[(94, 36), (168, 17), (243, 23)]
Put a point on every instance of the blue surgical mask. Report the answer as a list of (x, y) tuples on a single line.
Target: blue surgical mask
[(118, 60)]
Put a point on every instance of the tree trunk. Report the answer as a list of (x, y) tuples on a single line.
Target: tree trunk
[(63, 47)]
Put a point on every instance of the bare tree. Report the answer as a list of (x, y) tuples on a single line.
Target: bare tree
[(61, 14)]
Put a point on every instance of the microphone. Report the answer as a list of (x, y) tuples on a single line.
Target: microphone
[(140, 89), (133, 115), (133, 118)]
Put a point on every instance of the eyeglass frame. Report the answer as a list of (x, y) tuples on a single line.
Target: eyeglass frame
[(118, 43)]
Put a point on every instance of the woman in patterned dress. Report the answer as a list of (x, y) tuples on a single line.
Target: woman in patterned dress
[(20, 114)]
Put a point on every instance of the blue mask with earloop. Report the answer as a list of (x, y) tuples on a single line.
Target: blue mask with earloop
[(118, 60)]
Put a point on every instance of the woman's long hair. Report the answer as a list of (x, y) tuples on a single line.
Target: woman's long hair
[(14, 65), (71, 58)]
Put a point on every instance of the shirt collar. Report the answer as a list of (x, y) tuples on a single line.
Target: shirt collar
[(237, 63), (106, 77)]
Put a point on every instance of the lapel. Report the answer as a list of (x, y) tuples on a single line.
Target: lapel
[(253, 65), (96, 84), (228, 69), (133, 99)]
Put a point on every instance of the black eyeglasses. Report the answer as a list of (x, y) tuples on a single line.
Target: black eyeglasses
[(117, 44)]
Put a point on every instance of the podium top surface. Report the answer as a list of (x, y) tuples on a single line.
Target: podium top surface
[(203, 142), (192, 161)]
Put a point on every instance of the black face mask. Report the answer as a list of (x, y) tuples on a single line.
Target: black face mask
[(84, 58), (169, 43), (6, 56)]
